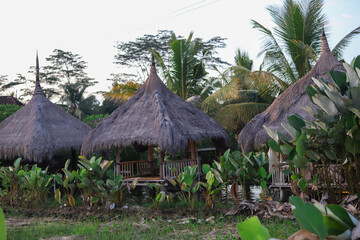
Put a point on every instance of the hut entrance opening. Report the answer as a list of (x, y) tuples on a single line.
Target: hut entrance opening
[(155, 171)]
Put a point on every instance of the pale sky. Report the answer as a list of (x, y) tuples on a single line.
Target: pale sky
[(91, 28)]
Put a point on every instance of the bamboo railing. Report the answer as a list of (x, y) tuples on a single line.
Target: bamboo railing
[(134, 168), (174, 168)]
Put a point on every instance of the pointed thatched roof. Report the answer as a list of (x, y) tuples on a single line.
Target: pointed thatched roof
[(40, 129), (154, 116), (289, 102), (10, 100)]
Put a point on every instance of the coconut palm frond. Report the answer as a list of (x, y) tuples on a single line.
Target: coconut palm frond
[(343, 43)]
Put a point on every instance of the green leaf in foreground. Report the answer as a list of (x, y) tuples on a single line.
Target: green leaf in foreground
[(309, 217), (2, 226), (251, 229)]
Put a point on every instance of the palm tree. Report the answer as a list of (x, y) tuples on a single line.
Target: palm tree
[(245, 94), (185, 70), (292, 48), (242, 84)]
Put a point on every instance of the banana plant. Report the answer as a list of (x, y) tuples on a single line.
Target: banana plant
[(10, 181), (92, 177), (187, 183), (160, 196), (115, 188), (212, 185), (37, 183), (259, 173), (68, 184)]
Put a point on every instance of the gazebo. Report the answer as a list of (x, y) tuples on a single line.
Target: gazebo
[(40, 129), (155, 116), (291, 101)]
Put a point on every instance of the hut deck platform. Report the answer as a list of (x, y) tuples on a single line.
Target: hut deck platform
[(143, 181)]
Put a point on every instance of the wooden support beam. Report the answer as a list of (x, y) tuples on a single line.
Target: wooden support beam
[(117, 166), (161, 158), (151, 158), (197, 160), (192, 150), (74, 159)]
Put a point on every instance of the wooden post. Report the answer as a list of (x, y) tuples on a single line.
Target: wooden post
[(192, 151), (151, 158), (74, 159), (197, 160), (117, 166), (161, 158)]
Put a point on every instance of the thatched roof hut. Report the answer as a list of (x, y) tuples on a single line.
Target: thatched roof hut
[(154, 116), (289, 102), (40, 129), (10, 100)]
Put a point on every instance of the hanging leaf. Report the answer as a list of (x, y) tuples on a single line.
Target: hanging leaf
[(292, 131), (340, 80), (58, 195), (286, 149), (3, 232), (271, 133), (71, 200), (334, 228), (274, 146), (300, 161), (309, 217), (340, 215), (301, 144), (251, 229), (206, 168), (352, 77), (302, 184)]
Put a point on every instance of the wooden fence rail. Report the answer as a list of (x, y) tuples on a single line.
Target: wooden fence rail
[(174, 168), (134, 168)]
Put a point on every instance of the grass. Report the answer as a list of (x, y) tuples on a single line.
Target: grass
[(135, 227)]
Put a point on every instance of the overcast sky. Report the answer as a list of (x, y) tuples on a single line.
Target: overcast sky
[(91, 28)]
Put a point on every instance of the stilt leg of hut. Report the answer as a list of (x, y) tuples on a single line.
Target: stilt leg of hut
[(198, 162), (117, 165), (198, 168), (161, 158), (192, 151), (74, 159), (151, 159)]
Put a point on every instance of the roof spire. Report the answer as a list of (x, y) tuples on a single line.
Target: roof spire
[(152, 60), (38, 89), (324, 42)]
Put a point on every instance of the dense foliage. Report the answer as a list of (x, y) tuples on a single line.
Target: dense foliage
[(7, 110)]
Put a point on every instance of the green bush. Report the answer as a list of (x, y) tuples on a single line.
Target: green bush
[(7, 110), (93, 120)]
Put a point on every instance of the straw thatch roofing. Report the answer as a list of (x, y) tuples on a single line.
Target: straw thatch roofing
[(289, 102), (10, 100), (40, 129), (154, 116)]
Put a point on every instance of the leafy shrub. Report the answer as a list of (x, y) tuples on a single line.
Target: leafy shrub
[(93, 120), (239, 169), (36, 183), (213, 184), (186, 182), (7, 110), (10, 182)]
